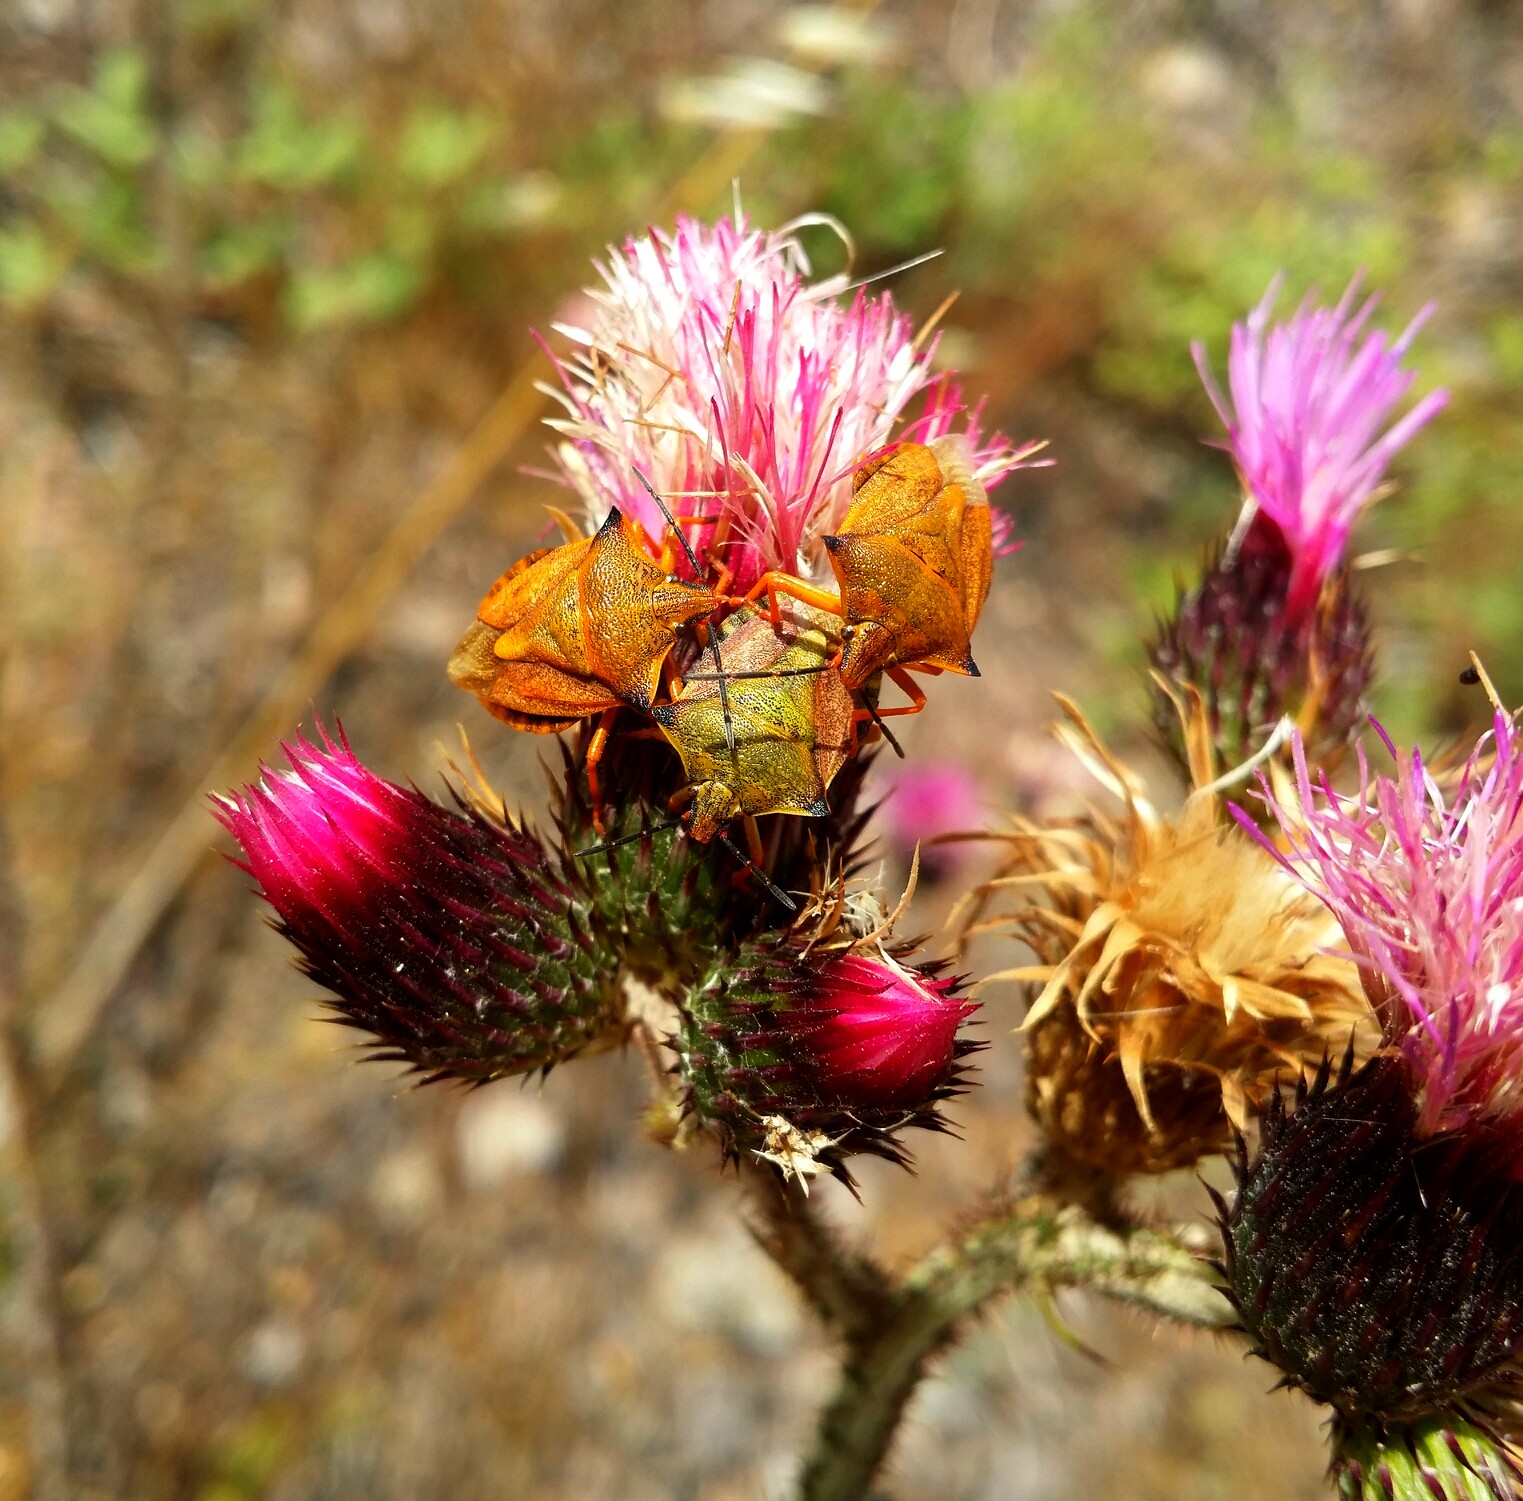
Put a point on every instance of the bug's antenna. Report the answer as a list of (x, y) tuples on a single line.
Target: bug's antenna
[(888, 734), (692, 557), (756, 871), (613, 844)]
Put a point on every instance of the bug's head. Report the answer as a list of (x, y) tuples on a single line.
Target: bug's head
[(714, 805), (679, 602), (866, 648)]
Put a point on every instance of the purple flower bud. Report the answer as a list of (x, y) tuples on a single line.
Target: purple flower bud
[(459, 944)]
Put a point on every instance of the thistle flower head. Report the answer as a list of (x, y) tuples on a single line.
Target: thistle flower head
[(803, 1059), (1182, 974), (457, 943), (876, 1033), (1232, 638), (1380, 1269), (1428, 887), (1307, 422), (745, 392)]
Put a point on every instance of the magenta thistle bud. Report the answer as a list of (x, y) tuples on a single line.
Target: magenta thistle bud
[(804, 1060), (738, 385), (877, 1035), (1375, 1249), (459, 944), (1307, 423)]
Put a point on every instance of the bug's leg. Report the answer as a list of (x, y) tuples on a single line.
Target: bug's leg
[(774, 583), (757, 855), (595, 748), (724, 524), (752, 866), (911, 688), (669, 683)]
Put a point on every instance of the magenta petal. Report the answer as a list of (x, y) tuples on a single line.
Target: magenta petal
[(1429, 890), (745, 389), (1309, 400)]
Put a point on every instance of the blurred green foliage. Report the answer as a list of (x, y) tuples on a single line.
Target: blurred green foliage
[(351, 218)]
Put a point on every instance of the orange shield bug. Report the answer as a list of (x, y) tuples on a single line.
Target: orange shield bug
[(912, 558), (583, 628), (573, 630)]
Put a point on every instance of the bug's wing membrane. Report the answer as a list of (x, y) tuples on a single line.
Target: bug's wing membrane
[(518, 593), (974, 537), (891, 488), (514, 656), (549, 697), (832, 714)]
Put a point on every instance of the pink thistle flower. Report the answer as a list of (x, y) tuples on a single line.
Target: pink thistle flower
[(1309, 399), (745, 392), (457, 943), (875, 1034), (1429, 891)]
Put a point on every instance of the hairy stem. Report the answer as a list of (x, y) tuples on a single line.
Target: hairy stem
[(849, 1292), (892, 1328)]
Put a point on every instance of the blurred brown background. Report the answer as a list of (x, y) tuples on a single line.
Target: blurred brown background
[(263, 268)]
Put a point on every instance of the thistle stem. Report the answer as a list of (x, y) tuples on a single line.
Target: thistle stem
[(893, 1327)]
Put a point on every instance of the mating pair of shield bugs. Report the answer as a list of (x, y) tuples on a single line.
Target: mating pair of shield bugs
[(763, 703)]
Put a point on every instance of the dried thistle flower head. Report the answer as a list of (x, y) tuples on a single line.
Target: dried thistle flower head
[(1182, 971)]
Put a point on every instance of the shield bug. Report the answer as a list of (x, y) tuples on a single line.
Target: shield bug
[(573, 630), (793, 721), (912, 558), (581, 629), (793, 725)]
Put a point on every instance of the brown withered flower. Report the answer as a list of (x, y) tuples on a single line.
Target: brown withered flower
[(1182, 971)]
